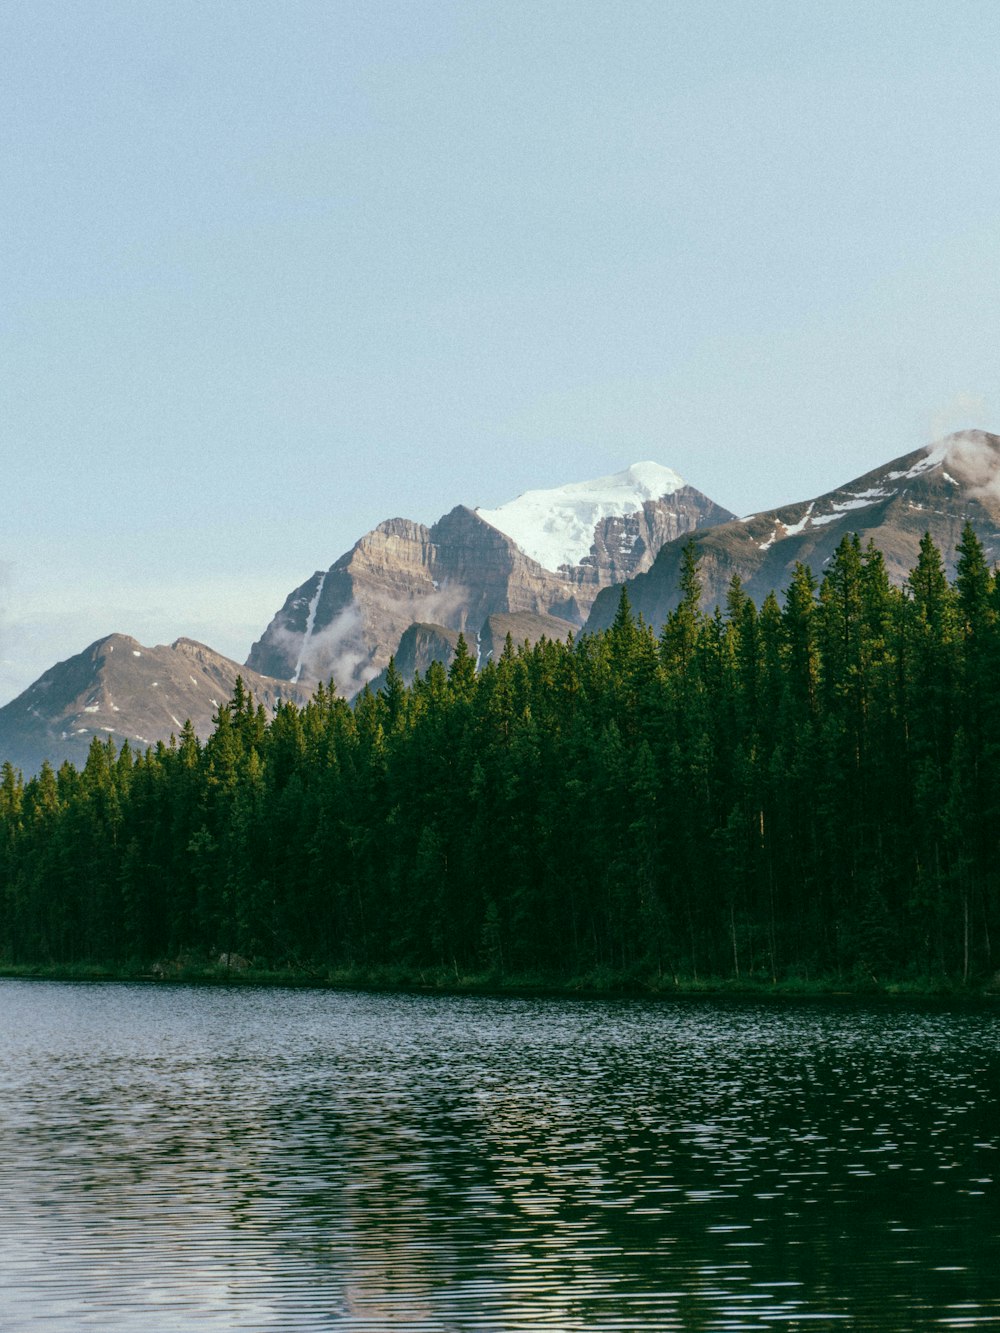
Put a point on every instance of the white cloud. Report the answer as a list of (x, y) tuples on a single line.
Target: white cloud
[(973, 461)]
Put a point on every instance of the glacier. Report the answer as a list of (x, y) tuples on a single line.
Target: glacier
[(556, 527)]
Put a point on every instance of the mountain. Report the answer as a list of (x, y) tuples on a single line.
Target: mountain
[(543, 564), (423, 644), (601, 524), (546, 554), (935, 489), (119, 688), (522, 626), (420, 646)]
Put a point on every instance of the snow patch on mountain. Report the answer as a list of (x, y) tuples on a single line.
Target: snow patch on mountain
[(310, 625), (766, 545), (934, 456), (793, 529), (556, 527), (861, 500)]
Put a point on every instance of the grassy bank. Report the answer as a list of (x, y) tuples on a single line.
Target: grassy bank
[(444, 980)]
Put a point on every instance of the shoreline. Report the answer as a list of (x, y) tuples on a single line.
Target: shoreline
[(598, 985)]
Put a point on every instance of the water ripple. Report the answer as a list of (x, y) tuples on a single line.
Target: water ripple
[(237, 1159)]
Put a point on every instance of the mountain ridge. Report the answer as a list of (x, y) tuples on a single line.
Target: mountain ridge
[(119, 688), (409, 589), (935, 489)]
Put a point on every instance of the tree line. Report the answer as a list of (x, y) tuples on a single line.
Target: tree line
[(806, 789)]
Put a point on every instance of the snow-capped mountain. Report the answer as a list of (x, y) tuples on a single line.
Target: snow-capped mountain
[(401, 588), (557, 527), (543, 556), (525, 568), (934, 489)]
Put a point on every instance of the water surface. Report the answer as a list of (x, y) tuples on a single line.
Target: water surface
[(182, 1158)]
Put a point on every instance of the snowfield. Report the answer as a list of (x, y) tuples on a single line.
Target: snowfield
[(556, 527)]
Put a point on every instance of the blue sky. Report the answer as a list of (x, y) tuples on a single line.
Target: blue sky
[(276, 271)]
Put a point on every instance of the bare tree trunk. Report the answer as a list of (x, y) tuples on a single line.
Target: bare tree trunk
[(732, 930)]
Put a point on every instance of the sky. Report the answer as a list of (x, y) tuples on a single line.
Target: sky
[(276, 271)]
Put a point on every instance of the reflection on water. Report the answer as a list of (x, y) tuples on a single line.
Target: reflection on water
[(178, 1158)]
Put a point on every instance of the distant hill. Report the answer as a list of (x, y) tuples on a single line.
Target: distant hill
[(118, 687)]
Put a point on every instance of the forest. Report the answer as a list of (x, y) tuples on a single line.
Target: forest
[(809, 789)]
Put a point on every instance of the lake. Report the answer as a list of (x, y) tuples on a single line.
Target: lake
[(178, 1158)]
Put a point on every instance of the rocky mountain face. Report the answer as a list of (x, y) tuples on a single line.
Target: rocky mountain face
[(119, 688), (522, 626), (418, 648), (423, 644), (546, 555), (935, 489)]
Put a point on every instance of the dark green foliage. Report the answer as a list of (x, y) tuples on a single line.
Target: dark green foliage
[(803, 790)]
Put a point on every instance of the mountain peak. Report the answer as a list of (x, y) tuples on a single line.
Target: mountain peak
[(539, 561), (653, 477), (120, 688), (556, 526), (969, 458), (936, 488)]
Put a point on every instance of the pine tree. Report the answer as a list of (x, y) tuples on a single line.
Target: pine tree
[(799, 621), (394, 693), (462, 672), (680, 632)]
